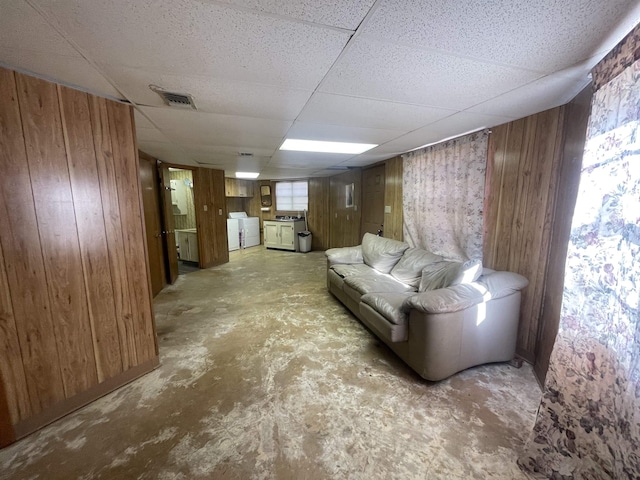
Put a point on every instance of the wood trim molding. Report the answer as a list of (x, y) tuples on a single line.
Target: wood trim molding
[(65, 407)]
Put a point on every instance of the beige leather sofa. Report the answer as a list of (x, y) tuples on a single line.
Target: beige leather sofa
[(438, 315)]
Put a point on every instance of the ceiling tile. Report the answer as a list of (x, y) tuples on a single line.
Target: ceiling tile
[(325, 12), (209, 128), (22, 28), (368, 113), (535, 97), (455, 125), (71, 71), (165, 152), (545, 36), (227, 150), (151, 135), (274, 173), (337, 133), (141, 121), (306, 159), (212, 95), (187, 37), (384, 71), (365, 159)]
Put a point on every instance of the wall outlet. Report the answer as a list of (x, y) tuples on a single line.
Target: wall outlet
[(219, 211), (387, 209), (206, 208)]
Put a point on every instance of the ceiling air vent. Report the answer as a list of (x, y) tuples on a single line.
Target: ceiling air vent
[(173, 99)]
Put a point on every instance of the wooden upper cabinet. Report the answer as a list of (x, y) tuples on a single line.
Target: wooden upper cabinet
[(235, 187)]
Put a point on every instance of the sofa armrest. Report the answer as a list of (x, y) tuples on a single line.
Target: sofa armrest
[(501, 284), (450, 299), (344, 255)]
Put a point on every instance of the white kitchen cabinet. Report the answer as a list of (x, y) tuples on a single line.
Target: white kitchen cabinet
[(282, 235), (188, 244)]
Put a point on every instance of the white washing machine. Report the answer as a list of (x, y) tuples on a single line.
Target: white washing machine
[(233, 234), (249, 229)]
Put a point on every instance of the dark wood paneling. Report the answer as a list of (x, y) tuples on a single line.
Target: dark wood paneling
[(75, 307), (373, 188), (13, 382), (211, 217), (393, 198), (168, 224), (149, 184), (345, 222), (25, 261), (576, 118), (237, 204), (318, 216), (25, 265), (83, 173), (522, 178), (126, 158), (113, 227)]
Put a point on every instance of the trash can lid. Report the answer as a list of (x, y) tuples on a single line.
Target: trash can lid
[(304, 233)]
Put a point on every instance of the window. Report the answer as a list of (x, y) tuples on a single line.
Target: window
[(292, 196)]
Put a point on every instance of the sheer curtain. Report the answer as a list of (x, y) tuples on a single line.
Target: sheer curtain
[(588, 423), (443, 197)]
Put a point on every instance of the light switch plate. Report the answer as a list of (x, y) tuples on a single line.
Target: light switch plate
[(387, 209), (206, 208)]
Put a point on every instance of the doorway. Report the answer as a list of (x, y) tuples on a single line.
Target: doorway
[(183, 213)]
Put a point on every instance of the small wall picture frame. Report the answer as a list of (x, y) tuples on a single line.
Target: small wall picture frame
[(349, 190)]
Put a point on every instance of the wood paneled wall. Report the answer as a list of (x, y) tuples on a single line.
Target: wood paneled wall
[(76, 317), (319, 215), (211, 216), (576, 118), (393, 198), (150, 187), (345, 222), (523, 167)]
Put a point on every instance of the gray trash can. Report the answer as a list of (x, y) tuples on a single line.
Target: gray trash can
[(304, 241)]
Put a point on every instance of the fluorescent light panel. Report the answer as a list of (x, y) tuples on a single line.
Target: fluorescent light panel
[(299, 145), (247, 174)]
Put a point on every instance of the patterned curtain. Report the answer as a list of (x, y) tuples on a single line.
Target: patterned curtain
[(443, 195), (588, 423)]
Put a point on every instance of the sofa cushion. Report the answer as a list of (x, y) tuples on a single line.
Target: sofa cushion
[(389, 305), (344, 255), (409, 269), (438, 275), (381, 253), (446, 300), (349, 270), (384, 329), (468, 272), (357, 285)]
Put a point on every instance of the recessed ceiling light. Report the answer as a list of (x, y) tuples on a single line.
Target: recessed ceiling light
[(247, 174), (325, 147)]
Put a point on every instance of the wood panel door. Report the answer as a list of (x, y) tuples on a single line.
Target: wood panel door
[(168, 224), (149, 183), (373, 199)]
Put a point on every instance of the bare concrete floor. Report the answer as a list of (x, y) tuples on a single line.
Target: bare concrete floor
[(264, 375)]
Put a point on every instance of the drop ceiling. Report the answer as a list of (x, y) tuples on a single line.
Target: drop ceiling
[(397, 73)]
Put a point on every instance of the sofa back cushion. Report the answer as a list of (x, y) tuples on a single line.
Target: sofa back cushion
[(468, 272), (446, 273), (381, 253), (409, 269)]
